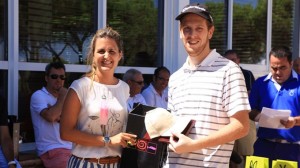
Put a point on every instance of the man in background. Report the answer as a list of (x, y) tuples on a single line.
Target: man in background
[(46, 106), (243, 146), (156, 94), (279, 90), (134, 78), (248, 75), (296, 65)]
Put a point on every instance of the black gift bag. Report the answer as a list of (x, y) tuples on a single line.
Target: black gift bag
[(147, 153)]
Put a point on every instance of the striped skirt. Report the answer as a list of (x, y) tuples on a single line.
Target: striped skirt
[(75, 162)]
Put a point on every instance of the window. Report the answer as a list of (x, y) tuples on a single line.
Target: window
[(3, 83), (249, 30), (3, 30), (138, 24), (3, 48), (218, 10), (282, 22), (58, 29), (50, 30)]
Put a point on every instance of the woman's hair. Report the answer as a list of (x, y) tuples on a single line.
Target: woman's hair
[(106, 32)]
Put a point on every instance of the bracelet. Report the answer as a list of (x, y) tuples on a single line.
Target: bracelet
[(11, 163)]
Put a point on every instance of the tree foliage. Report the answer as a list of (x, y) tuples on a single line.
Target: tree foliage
[(136, 21), (72, 22), (52, 26), (250, 27)]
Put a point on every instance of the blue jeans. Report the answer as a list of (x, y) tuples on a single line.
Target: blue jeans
[(3, 161)]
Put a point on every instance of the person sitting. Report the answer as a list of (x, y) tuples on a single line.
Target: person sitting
[(134, 78), (156, 94), (46, 106)]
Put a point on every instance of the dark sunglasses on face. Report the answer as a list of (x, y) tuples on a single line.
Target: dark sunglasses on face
[(55, 76)]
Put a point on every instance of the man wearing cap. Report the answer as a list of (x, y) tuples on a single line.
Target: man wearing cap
[(210, 89)]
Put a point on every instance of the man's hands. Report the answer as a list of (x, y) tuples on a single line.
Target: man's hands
[(62, 93), (180, 143), (52, 113), (290, 123)]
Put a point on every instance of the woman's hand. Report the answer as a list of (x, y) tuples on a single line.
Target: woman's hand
[(122, 139)]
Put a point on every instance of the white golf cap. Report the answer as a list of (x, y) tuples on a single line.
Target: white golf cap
[(160, 122)]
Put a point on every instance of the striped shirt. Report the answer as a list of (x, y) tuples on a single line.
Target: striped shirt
[(210, 94)]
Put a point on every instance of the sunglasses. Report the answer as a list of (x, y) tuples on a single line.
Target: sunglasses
[(55, 76), (138, 82)]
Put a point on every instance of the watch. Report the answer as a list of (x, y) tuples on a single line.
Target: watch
[(106, 140)]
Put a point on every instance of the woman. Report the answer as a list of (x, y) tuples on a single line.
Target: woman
[(94, 112)]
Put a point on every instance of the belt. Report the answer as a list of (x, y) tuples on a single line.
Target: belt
[(283, 141), (106, 160)]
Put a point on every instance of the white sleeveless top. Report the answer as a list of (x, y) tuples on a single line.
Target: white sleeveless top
[(90, 95)]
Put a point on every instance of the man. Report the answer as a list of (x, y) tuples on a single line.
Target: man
[(46, 106), (135, 80), (156, 94), (210, 89), (296, 65), (280, 89), (249, 78), (243, 146)]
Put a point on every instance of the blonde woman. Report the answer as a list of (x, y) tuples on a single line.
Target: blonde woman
[(94, 112)]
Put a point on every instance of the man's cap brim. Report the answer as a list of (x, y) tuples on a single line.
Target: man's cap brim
[(198, 9)]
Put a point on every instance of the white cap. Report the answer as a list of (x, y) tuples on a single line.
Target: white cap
[(160, 122)]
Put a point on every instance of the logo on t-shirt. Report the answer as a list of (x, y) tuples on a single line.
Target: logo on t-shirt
[(292, 92)]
